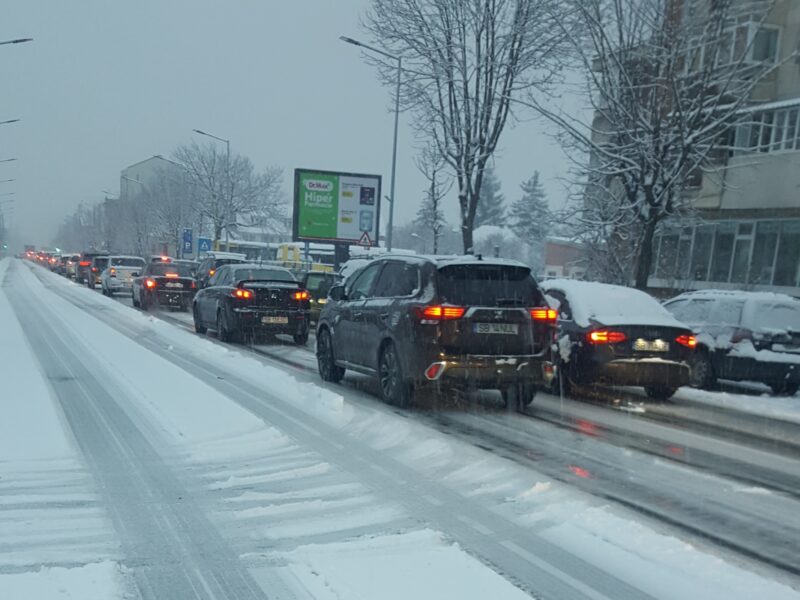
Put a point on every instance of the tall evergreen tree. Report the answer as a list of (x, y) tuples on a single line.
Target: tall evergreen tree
[(530, 216), (491, 202)]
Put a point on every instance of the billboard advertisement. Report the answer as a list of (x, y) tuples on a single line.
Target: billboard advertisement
[(336, 207)]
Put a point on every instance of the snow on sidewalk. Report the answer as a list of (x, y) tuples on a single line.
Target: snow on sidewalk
[(766, 405), (49, 511)]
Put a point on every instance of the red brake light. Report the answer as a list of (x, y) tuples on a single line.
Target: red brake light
[(301, 295), (171, 275), (604, 336), (244, 294), (165, 259), (150, 283), (687, 340), (445, 313), (544, 314), (84, 263)]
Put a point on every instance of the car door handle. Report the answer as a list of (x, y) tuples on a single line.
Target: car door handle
[(357, 314)]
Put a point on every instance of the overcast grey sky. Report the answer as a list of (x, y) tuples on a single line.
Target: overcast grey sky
[(108, 83)]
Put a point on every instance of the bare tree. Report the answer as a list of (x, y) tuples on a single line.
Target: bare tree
[(171, 201), (231, 190), (667, 81), (464, 62), (430, 215)]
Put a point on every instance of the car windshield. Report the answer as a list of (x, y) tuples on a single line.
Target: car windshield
[(256, 274), (127, 262), (488, 285), (319, 283), (164, 269), (777, 317)]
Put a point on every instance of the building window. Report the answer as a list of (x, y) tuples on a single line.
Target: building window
[(764, 247), (701, 254), (765, 45), (723, 252), (768, 131), (788, 259)]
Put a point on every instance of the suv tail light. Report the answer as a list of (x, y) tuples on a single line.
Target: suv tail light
[(94, 269), (301, 295), (113, 272), (605, 336), (242, 294), (150, 283), (84, 263), (687, 340), (435, 371), (548, 315), (443, 313)]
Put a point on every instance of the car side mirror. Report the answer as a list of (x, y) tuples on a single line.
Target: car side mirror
[(135, 274), (337, 294)]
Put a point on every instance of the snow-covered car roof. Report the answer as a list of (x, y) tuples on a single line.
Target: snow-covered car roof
[(736, 295), (611, 304), (469, 259)]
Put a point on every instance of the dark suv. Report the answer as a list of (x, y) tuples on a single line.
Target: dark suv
[(462, 323), (213, 261), (84, 268)]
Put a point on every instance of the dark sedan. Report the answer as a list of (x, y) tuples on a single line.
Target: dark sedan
[(244, 300), (163, 285), (614, 335)]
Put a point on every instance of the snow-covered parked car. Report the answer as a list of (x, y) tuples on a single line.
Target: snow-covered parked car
[(743, 336), (614, 335)]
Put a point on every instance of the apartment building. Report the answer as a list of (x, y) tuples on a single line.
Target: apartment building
[(747, 231)]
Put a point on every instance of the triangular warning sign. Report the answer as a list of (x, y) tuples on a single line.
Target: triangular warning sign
[(365, 239)]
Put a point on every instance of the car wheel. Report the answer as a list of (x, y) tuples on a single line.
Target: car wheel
[(518, 397), (198, 324), (301, 339), (660, 392), (134, 301), (784, 389), (326, 363), (701, 374), (561, 383), (223, 334), (394, 388)]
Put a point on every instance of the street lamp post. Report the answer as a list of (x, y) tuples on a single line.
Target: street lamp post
[(230, 186), (399, 60)]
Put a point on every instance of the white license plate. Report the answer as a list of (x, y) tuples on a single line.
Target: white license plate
[(275, 320), (497, 328), (641, 345), (173, 284)]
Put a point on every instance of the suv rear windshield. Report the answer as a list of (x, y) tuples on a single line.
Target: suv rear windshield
[(127, 262), (164, 268), (488, 285)]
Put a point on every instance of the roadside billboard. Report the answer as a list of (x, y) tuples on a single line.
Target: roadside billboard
[(336, 207)]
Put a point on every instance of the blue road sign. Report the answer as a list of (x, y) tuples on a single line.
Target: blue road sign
[(203, 245), (187, 241)]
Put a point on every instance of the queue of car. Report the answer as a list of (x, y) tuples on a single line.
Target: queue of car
[(417, 323)]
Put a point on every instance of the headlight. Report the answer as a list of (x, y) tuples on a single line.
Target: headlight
[(322, 301)]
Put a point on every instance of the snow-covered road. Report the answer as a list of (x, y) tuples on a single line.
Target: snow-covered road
[(186, 469)]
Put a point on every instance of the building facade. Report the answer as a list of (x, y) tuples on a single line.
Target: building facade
[(746, 234)]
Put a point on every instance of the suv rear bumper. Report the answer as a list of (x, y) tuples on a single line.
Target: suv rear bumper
[(490, 372)]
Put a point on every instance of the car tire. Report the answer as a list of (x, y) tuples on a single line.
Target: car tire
[(394, 388), (660, 392), (701, 371), (223, 333), (561, 382), (301, 339), (784, 389), (518, 397), (199, 328), (326, 362), (134, 301)]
